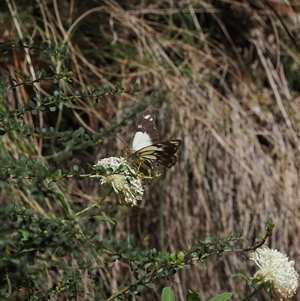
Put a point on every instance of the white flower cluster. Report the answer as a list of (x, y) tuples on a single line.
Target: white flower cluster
[(123, 179), (276, 272)]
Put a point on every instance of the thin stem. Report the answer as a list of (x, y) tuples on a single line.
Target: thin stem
[(254, 293), (94, 205)]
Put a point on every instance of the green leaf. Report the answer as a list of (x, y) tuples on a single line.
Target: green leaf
[(150, 285), (118, 87), (136, 88), (24, 234), (19, 75), (104, 218), (202, 265), (221, 297), (193, 296), (51, 185), (57, 175), (106, 88), (180, 257), (63, 202), (270, 225), (167, 294), (56, 93), (78, 133)]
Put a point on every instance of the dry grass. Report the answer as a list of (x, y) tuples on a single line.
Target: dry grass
[(221, 77)]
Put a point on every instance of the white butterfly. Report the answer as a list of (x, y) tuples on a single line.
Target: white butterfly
[(145, 146)]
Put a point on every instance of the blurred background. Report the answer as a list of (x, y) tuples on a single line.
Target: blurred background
[(223, 76)]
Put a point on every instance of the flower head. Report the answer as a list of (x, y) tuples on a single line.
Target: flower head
[(117, 174), (276, 272)]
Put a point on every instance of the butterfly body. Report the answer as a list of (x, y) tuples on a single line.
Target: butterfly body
[(146, 147)]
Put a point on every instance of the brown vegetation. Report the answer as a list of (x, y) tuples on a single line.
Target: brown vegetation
[(223, 77)]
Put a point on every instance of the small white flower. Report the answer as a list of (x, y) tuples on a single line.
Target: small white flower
[(124, 180), (276, 272)]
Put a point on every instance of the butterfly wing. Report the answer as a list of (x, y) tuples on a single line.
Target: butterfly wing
[(146, 148), (165, 152), (146, 132)]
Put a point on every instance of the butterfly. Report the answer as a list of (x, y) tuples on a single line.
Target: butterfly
[(146, 147)]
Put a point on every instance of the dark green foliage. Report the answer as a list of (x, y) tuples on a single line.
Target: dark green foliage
[(58, 239)]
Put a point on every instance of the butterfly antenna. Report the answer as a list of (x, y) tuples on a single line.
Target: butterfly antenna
[(111, 128)]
